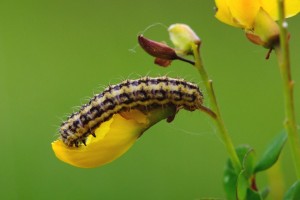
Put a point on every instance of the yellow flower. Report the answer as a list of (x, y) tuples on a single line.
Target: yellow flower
[(113, 138), (242, 13), (255, 17)]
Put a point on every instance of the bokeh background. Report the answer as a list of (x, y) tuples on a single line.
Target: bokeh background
[(56, 54)]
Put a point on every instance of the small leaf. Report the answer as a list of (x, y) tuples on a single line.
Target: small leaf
[(242, 186), (253, 195), (294, 192), (230, 181), (236, 185), (246, 156), (271, 154)]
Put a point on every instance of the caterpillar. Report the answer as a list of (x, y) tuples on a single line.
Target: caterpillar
[(143, 92)]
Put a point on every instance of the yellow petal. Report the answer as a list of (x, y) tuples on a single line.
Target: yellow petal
[(292, 7), (238, 13), (113, 138), (244, 11), (224, 14)]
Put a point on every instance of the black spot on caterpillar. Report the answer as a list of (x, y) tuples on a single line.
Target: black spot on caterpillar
[(143, 92)]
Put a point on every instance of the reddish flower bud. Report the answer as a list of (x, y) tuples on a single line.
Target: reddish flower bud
[(157, 49), (162, 62)]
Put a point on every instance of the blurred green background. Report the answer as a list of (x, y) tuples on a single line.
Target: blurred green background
[(56, 54)]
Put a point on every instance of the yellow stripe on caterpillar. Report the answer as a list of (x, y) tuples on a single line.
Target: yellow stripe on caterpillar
[(140, 93)]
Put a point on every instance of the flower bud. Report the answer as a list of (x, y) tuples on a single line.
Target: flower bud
[(157, 49), (162, 62), (164, 55), (183, 37)]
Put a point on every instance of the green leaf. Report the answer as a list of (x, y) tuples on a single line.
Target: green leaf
[(294, 192), (272, 152), (236, 185), (247, 158), (230, 181), (242, 186), (253, 195)]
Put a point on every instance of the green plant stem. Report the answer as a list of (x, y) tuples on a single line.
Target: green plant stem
[(215, 108), (283, 57)]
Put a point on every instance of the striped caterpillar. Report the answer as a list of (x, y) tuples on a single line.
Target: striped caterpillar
[(143, 92)]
